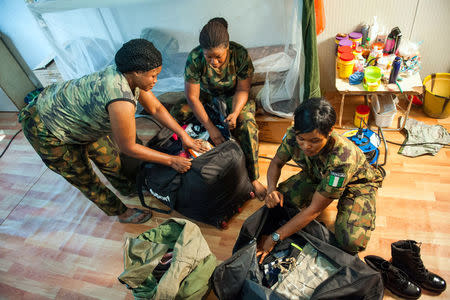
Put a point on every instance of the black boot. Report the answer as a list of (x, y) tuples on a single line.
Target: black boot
[(406, 256), (394, 279)]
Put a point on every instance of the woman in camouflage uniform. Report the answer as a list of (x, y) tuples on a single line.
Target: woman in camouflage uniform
[(70, 123), (220, 70), (333, 168)]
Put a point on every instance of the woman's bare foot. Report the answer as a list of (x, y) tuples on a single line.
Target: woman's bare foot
[(260, 190), (135, 216)]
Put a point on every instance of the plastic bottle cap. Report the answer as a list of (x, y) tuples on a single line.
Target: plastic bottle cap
[(378, 46), (363, 109), (344, 49), (358, 49), (339, 37), (355, 35), (345, 43), (347, 56)]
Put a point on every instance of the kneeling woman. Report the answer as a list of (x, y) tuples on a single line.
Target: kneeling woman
[(333, 168), (220, 70)]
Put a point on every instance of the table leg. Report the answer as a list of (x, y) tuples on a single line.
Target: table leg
[(407, 112), (402, 125), (341, 110)]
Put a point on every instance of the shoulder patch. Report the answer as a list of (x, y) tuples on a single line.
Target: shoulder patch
[(336, 179)]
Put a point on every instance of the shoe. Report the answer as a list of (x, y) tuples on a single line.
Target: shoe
[(394, 279), (406, 256)]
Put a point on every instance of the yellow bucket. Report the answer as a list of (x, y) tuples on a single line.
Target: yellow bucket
[(345, 64), (437, 95)]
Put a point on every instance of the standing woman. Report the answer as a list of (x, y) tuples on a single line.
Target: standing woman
[(92, 118), (221, 70)]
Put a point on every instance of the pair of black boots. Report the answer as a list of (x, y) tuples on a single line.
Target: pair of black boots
[(406, 275)]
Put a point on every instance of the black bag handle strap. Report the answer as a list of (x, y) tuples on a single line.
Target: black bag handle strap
[(262, 222), (140, 184)]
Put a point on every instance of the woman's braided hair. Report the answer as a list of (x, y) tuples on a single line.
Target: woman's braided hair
[(138, 55), (214, 34)]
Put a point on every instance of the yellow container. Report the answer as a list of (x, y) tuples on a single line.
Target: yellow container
[(345, 64), (372, 78), (361, 116), (437, 95)]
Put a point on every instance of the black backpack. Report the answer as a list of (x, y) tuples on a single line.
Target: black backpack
[(212, 191), (241, 277)]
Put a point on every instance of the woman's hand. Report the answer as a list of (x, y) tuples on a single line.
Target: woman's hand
[(216, 136), (265, 245), (180, 164), (273, 199), (231, 120), (196, 145)]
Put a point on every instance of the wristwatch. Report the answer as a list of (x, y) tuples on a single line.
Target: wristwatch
[(275, 237)]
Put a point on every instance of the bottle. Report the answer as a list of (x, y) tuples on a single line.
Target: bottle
[(365, 33), (397, 41), (395, 69), (392, 41), (374, 30)]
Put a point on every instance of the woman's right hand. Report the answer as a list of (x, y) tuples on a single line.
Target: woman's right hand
[(216, 136), (180, 164), (273, 199)]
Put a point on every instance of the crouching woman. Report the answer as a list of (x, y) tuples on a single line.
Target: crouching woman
[(333, 168)]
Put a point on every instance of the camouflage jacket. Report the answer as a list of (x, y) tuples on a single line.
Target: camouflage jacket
[(238, 66), (339, 166), (76, 111)]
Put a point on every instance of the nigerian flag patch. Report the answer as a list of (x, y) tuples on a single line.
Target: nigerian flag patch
[(336, 179)]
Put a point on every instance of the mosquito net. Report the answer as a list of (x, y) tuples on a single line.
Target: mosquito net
[(85, 35)]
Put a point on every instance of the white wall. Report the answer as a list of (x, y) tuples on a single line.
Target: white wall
[(251, 22), (419, 20), (6, 103), (17, 23)]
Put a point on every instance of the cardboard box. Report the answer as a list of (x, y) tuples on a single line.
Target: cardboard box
[(272, 128), (47, 72)]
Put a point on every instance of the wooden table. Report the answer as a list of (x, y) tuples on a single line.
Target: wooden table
[(411, 85)]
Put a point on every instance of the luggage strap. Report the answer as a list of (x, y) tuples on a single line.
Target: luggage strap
[(140, 184)]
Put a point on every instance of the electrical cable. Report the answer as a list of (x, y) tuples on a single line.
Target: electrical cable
[(9, 143), (419, 144)]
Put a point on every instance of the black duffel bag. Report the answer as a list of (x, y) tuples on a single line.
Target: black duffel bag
[(212, 191), (242, 277)]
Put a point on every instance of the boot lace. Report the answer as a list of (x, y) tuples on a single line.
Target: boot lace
[(400, 277), (421, 270)]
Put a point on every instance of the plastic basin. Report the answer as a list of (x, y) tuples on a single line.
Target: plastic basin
[(437, 95)]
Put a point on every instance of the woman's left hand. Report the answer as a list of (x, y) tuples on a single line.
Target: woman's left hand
[(231, 120), (264, 247), (196, 145)]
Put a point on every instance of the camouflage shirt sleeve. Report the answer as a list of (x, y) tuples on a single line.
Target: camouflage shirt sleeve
[(286, 149), (193, 69), (244, 64), (338, 172)]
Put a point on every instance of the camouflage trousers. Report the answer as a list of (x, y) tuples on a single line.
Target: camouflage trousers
[(246, 131), (72, 162), (355, 219)]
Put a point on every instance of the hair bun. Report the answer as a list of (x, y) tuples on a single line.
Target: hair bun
[(219, 20)]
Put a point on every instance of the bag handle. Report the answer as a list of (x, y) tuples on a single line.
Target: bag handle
[(140, 184), (262, 222)]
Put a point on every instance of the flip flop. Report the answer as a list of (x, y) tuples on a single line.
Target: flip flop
[(136, 213)]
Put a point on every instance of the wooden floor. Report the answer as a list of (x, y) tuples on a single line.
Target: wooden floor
[(54, 244)]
